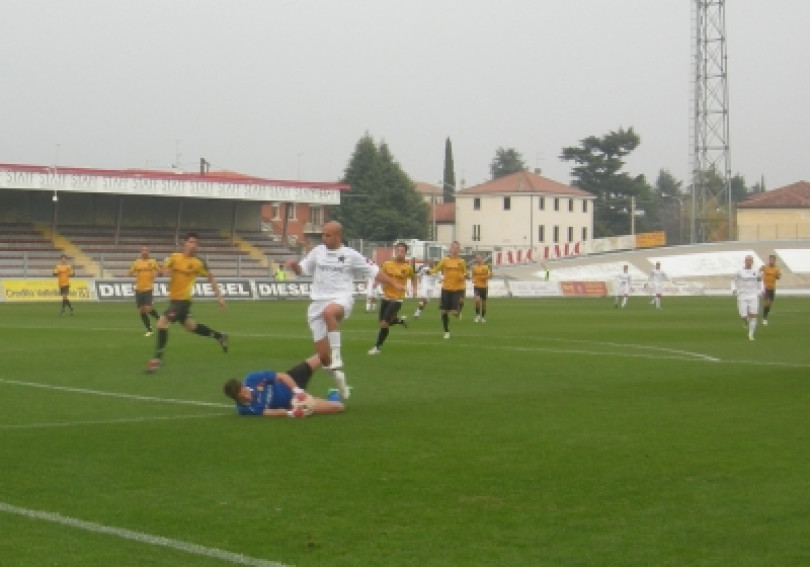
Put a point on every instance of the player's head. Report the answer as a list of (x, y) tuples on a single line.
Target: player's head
[(454, 248), (234, 389), (658, 265), (431, 263), (144, 252), (400, 249), (63, 258), (190, 243), (479, 259), (749, 261), (332, 235), (626, 267), (772, 260)]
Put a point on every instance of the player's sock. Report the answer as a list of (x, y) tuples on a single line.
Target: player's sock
[(145, 319), (154, 313), (624, 301), (445, 322), (205, 331), (658, 302), (334, 343), (752, 325), (381, 336), (162, 339), (765, 312)]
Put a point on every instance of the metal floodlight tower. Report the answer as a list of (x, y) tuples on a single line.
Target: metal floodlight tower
[(710, 126)]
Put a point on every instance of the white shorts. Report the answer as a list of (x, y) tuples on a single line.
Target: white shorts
[(425, 291), (315, 315), (656, 289), (373, 293), (747, 305)]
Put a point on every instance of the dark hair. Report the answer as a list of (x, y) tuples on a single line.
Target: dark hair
[(231, 388), (192, 235), (398, 244)]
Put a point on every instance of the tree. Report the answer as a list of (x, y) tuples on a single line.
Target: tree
[(506, 162), (383, 204), (449, 177), (671, 206), (618, 195)]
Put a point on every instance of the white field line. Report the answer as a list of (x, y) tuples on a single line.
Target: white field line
[(108, 421), (157, 541), (116, 394)]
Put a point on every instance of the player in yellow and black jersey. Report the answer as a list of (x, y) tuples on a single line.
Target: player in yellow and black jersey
[(770, 273), (480, 278), (183, 269), (454, 270), (63, 271), (145, 269), (400, 271)]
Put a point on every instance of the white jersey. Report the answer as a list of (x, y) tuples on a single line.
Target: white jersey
[(623, 283), (334, 271), (657, 278), (747, 282), (427, 281)]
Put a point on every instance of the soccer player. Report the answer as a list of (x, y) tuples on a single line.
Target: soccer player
[(427, 282), (269, 393), (657, 277), (145, 269), (372, 294), (454, 271), (183, 269), (333, 268), (63, 271), (622, 287), (480, 278), (401, 271), (746, 285), (770, 273)]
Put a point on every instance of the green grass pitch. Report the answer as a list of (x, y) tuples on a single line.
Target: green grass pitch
[(563, 432)]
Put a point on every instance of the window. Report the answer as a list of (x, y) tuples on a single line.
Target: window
[(290, 211), (584, 233), (476, 234), (556, 234), (570, 234), (507, 203), (541, 233), (584, 205), (477, 204), (541, 204), (556, 204), (276, 211), (316, 215), (570, 205)]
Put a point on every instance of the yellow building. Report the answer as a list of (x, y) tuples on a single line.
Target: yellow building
[(779, 214)]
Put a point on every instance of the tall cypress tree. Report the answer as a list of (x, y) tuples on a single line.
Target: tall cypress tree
[(449, 178)]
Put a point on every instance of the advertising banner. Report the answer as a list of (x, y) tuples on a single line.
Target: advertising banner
[(584, 289), (44, 289), (231, 288)]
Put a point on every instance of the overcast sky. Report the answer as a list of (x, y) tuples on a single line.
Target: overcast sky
[(285, 89)]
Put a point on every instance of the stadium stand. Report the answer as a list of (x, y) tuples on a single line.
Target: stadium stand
[(28, 250)]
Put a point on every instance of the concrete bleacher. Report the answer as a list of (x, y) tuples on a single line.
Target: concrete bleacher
[(30, 251), (709, 265)]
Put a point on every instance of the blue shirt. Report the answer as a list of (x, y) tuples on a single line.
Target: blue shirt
[(265, 393)]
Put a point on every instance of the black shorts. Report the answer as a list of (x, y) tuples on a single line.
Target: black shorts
[(143, 298), (450, 300), (64, 290), (480, 292), (389, 308), (178, 311), (770, 294)]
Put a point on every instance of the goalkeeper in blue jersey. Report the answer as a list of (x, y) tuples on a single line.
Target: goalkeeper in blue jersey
[(274, 394)]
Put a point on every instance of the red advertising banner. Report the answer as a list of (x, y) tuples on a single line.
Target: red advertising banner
[(584, 289)]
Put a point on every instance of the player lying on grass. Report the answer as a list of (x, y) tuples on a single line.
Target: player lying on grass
[(279, 394)]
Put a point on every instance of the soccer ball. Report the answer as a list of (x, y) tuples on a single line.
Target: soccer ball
[(303, 404)]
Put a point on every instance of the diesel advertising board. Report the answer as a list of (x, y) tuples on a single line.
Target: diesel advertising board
[(269, 289), (230, 288)]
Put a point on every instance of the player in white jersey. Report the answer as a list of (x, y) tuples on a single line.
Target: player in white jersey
[(747, 286), (372, 294), (427, 283), (622, 287), (333, 268), (656, 280)]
